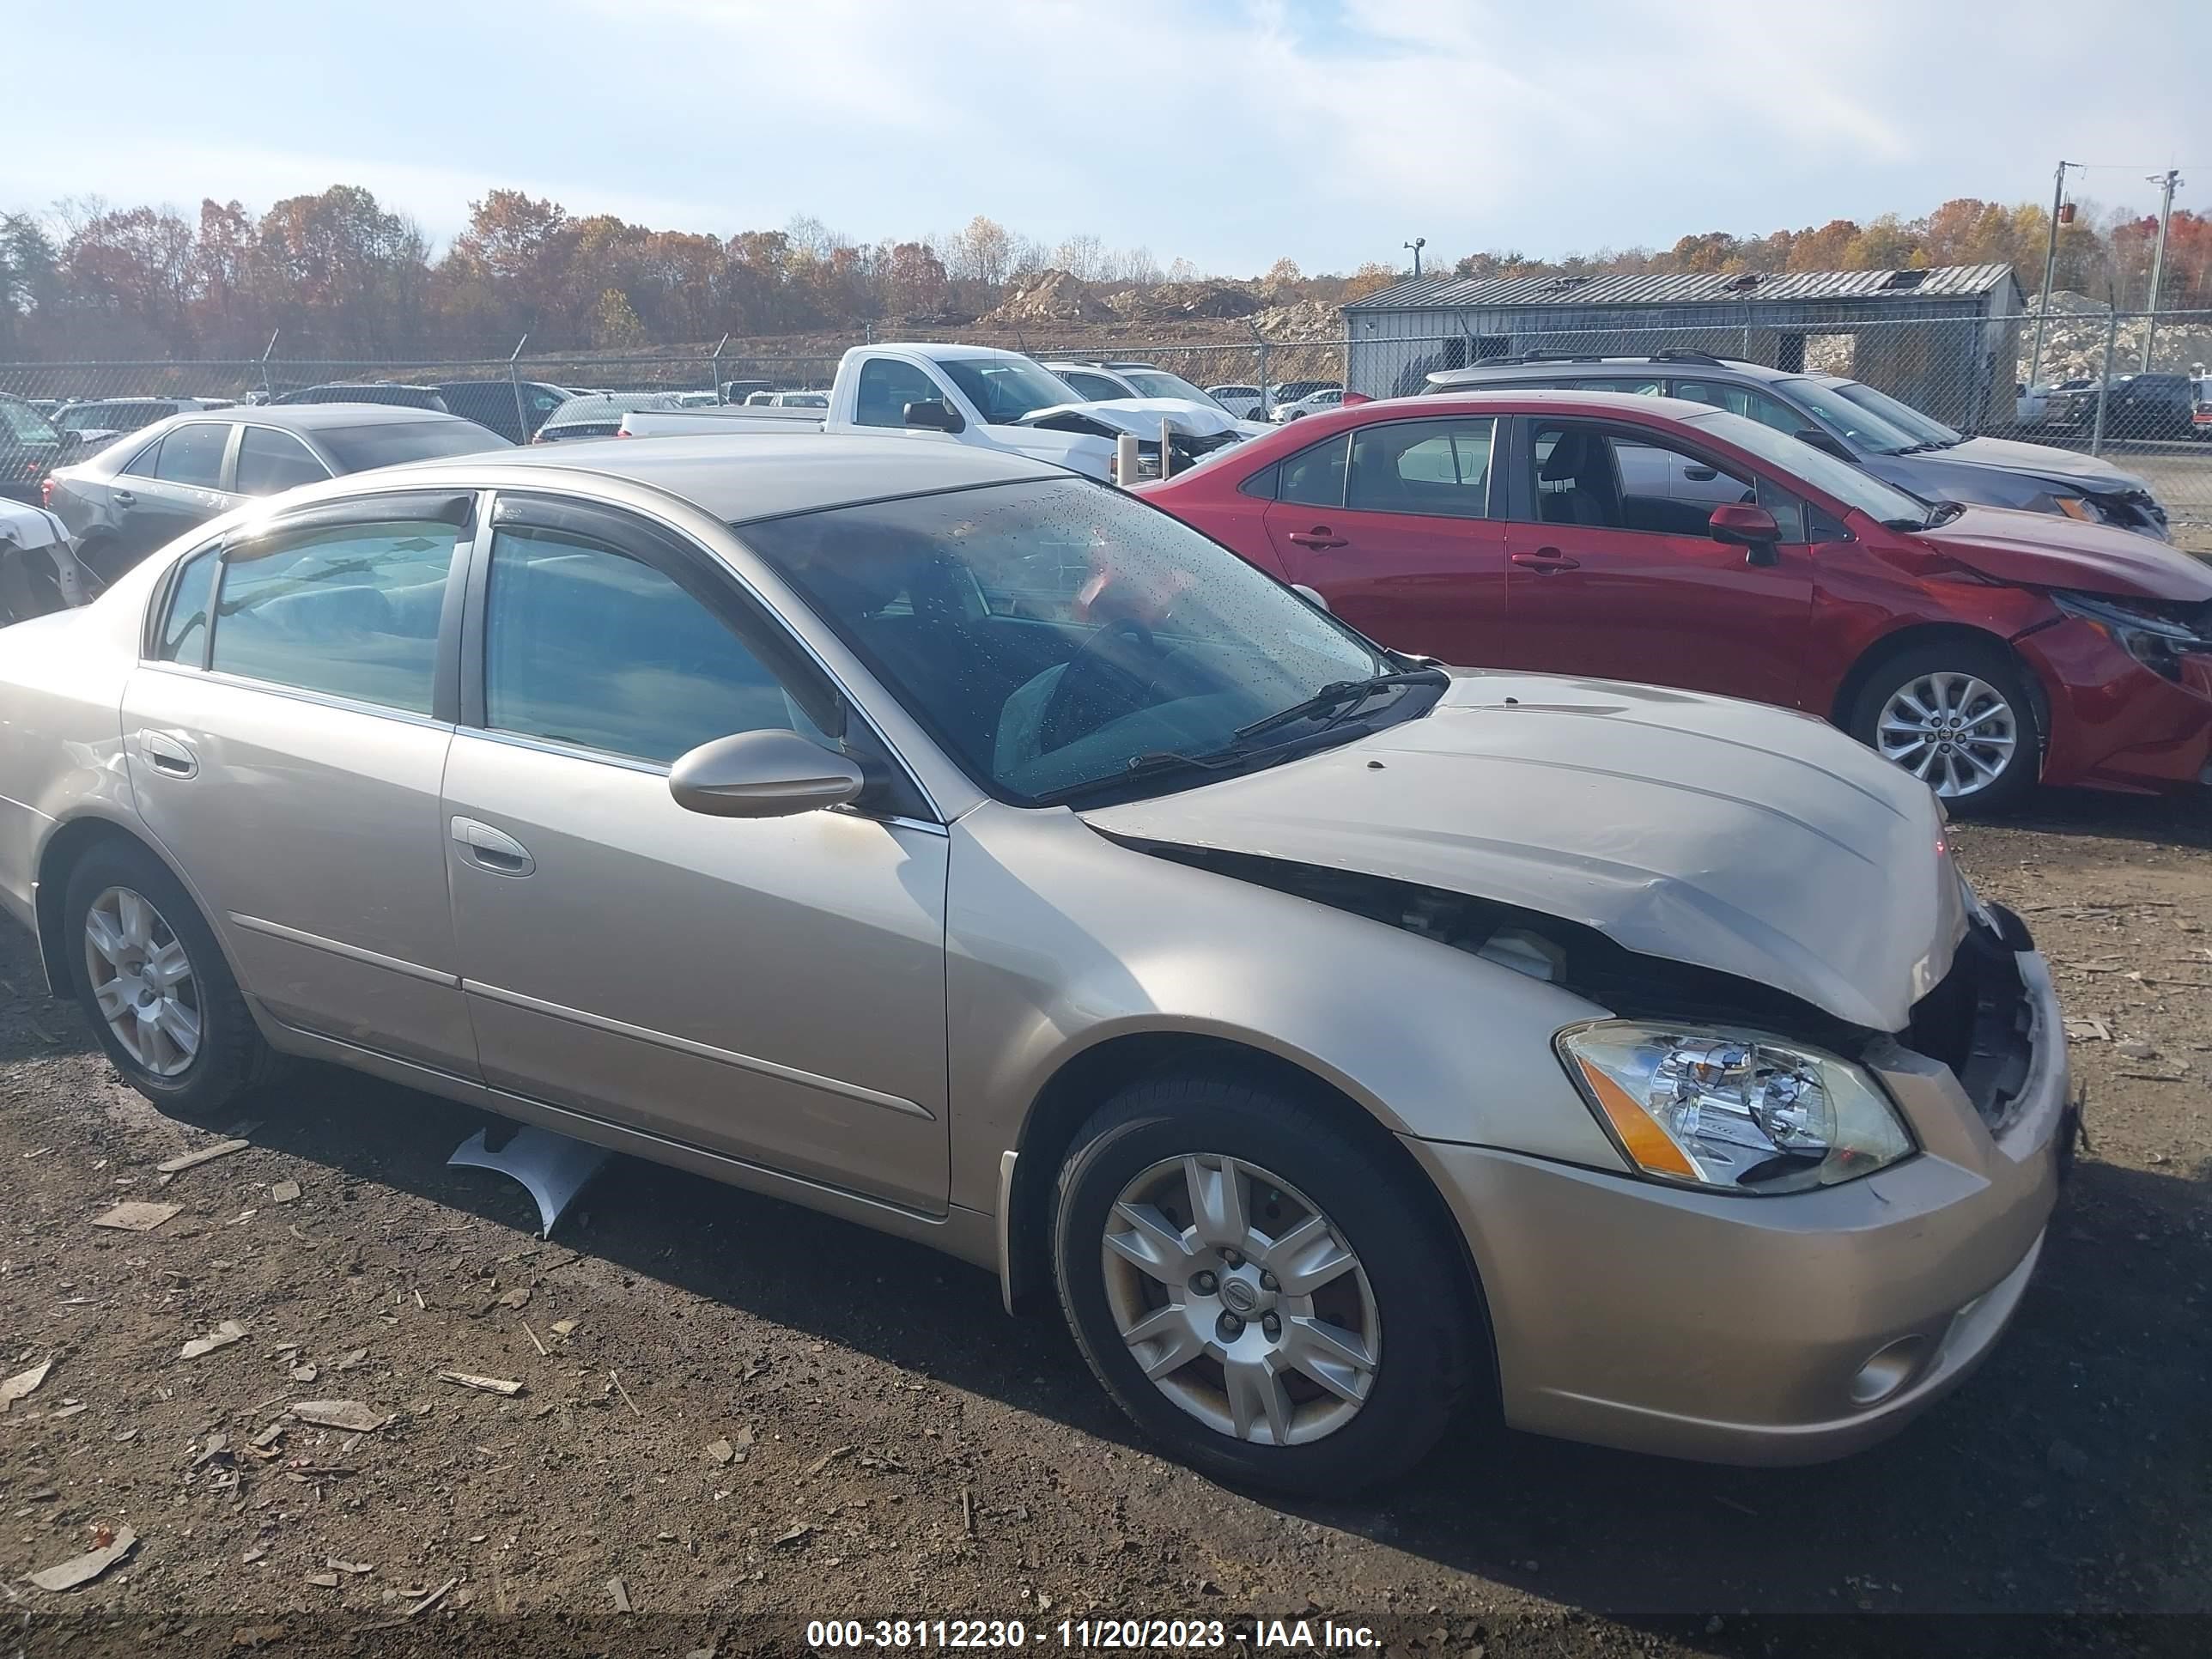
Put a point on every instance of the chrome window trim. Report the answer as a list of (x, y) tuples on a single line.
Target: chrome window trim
[(300, 694)]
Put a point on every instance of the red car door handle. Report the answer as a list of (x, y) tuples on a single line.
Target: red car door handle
[(1317, 537), (1546, 561)]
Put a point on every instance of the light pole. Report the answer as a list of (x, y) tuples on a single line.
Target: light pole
[(2169, 179), (1417, 245), (2050, 268)]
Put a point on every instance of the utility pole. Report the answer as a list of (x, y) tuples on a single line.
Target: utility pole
[(2049, 269), (2169, 179), (1417, 245)]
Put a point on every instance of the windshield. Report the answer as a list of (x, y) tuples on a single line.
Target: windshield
[(1925, 428), (1049, 634), (25, 424), (1003, 388), (1159, 383), (1854, 486), (357, 448), (1861, 429)]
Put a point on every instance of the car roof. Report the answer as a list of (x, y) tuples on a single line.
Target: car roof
[(309, 417), (738, 479), (1567, 364), (1436, 405)]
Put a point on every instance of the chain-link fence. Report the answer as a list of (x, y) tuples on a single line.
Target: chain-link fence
[(2130, 390)]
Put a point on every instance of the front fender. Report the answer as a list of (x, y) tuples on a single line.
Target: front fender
[(1059, 939)]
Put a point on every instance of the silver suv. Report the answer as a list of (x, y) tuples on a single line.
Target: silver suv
[(1852, 420)]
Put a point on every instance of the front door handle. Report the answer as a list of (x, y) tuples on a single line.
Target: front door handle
[(167, 754), (492, 850), (1699, 474), (1316, 538), (1546, 561)]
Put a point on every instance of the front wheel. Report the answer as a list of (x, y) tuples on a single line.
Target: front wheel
[(1258, 1291), (1958, 717)]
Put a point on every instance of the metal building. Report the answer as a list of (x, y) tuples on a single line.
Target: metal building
[(1944, 340)]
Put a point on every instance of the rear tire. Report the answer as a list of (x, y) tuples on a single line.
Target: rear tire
[(154, 984), (1345, 1312), (1958, 716)]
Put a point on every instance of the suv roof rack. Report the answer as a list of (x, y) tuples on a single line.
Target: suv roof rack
[(1684, 354)]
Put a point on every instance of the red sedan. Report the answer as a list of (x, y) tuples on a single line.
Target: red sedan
[(1646, 538)]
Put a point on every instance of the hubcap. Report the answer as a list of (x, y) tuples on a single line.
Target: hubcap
[(1953, 732), (142, 981), (1241, 1301)]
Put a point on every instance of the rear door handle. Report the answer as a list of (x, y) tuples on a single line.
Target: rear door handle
[(165, 754), (1316, 538), (492, 850), (122, 498), (1545, 562)]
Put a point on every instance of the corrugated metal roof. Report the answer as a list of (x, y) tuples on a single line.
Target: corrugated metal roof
[(1687, 287)]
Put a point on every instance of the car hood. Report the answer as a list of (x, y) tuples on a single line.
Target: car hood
[(1734, 836), (2047, 550), (2044, 460), (1141, 416)]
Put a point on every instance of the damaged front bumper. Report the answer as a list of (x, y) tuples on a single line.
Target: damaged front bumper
[(1778, 1330)]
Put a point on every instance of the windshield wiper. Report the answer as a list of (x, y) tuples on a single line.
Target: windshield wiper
[(1345, 694)]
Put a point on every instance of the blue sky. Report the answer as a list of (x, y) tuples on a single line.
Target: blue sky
[(1229, 132)]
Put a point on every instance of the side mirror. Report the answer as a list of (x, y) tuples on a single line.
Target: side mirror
[(1827, 443), (935, 414), (1309, 596), (761, 775), (1749, 527)]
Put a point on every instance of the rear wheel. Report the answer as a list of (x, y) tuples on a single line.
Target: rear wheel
[(1958, 716), (154, 985), (1256, 1289)]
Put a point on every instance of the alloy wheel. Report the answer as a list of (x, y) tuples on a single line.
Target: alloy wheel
[(142, 981), (1954, 731), (1241, 1301)]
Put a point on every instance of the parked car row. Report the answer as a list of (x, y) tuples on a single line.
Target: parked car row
[(1673, 530), (1349, 1043)]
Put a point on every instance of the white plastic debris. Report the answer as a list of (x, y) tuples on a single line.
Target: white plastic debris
[(554, 1167)]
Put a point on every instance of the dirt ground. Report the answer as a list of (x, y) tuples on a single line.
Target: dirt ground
[(896, 1447)]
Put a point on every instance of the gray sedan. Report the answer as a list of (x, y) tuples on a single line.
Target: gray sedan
[(153, 484), (1357, 1048)]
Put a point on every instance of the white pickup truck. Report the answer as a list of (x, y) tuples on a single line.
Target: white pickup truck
[(971, 395)]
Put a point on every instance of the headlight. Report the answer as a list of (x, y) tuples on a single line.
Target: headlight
[(2155, 641), (1732, 1109)]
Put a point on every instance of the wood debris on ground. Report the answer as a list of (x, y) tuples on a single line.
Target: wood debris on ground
[(136, 1216), (88, 1566), (339, 1414), (620, 1591), (487, 1384), (185, 1161), (221, 1337), (24, 1382)]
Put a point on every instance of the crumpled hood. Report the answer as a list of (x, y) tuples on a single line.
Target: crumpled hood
[(2045, 461), (1737, 837), (2047, 550), (1142, 416)]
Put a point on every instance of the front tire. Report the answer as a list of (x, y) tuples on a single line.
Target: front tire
[(1258, 1291), (1959, 717), (154, 984)]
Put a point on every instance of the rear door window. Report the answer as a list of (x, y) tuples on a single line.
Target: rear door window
[(192, 454), (1314, 477), (270, 461), (1437, 468), (352, 611)]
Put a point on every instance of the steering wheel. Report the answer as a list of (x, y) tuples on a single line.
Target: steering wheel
[(1088, 683)]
